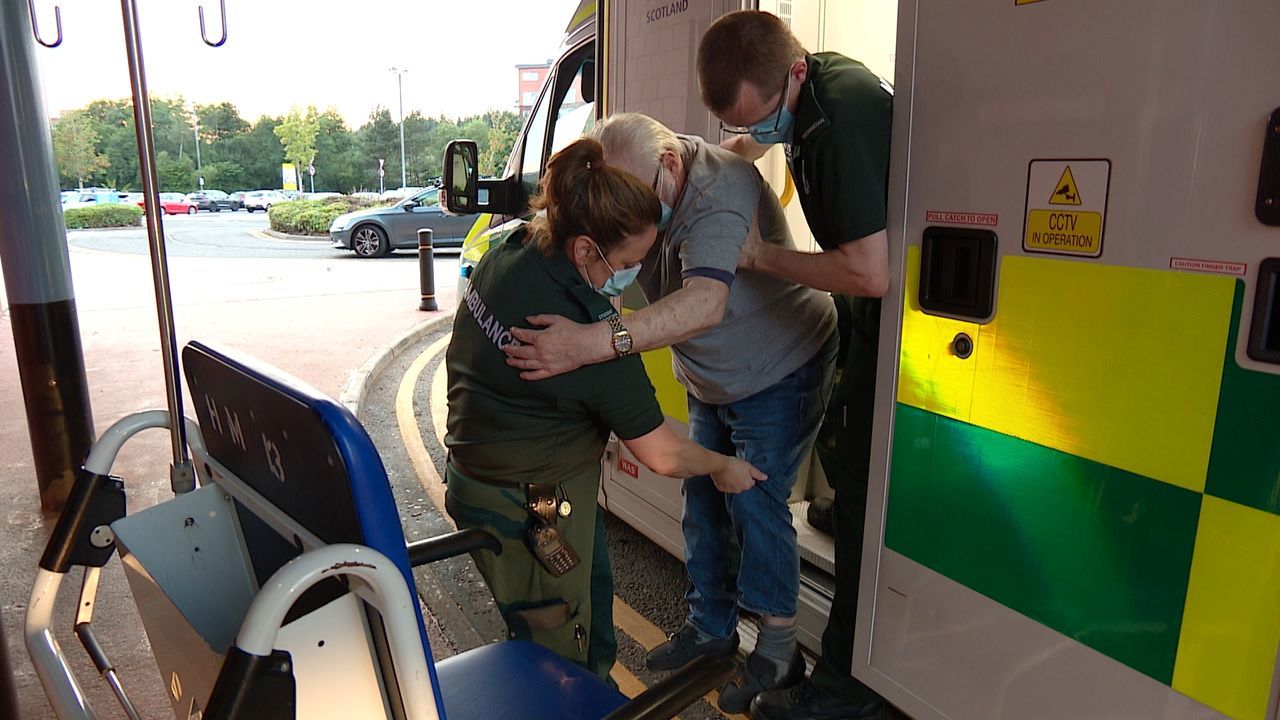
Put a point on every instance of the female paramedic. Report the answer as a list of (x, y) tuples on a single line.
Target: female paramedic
[(524, 456)]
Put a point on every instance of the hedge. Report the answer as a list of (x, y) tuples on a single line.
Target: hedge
[(312, 217), (102, 216)]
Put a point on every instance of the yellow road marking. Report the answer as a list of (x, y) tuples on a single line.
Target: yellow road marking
[(628, 683), (625, 617), (650, 636), (440, 410), (410, 432)]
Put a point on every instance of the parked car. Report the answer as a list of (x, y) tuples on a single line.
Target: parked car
[(172, 203), (377, 231), (211, 200), (321, 195), (88, 198), (262, 199), (236, 200)]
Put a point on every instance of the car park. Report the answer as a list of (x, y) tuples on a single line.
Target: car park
[(211, 200), (377, 231), (262, 199)]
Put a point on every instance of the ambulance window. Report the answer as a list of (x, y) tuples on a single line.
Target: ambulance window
[(531, 164), (577, 111)]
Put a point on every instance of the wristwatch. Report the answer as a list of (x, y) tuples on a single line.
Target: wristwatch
[(621, 336)]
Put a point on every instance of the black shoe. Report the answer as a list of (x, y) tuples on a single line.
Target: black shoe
[(807, 702), (819, 515), (683, 647), (757, 675)]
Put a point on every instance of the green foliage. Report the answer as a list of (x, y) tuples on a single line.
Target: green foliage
[(75, 148), (504, 128), (380, 138), (258, 152), (312, 217), (237, 155), (223, 175), (102, 216), (175, 174), (298, 135), (220, 122)]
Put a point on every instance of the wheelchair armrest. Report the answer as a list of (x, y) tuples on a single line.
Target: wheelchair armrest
[(455, 543), (678, 691)]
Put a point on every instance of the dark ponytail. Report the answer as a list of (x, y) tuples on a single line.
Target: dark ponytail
[(583, 196)]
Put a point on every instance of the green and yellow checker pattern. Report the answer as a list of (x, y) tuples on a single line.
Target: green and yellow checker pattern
[(1102, 465)]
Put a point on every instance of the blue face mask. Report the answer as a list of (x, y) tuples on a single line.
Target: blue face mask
[(665, 220), (774, 129), (777, 127), (619, 280)]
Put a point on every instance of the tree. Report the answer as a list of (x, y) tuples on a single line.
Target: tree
[(504, 127), (338, 165), (298, 135), (224, 175), (258, 152), (219, 122), (75, 148), (175, 174), (380, 138), (113, 121), (172, 126)]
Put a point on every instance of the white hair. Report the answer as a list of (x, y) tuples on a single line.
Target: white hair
[(633, 142)]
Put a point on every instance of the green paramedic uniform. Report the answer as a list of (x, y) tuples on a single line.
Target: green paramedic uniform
[(839, 160), (504, 432)]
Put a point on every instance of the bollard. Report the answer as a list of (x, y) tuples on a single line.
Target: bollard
[(427, 269)]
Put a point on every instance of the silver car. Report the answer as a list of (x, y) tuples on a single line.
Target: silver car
[(378, 231)]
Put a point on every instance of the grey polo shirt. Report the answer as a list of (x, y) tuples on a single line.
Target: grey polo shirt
[(771, 326)]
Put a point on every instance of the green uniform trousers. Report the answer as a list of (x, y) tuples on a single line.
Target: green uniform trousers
[(572, 614), (844, 449)]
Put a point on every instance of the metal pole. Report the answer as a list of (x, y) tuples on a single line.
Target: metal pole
[(400, 86), (181, 476), (37, 269), (427, 269), (195, 130)]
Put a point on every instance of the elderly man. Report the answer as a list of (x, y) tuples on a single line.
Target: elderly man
[(755, 353)]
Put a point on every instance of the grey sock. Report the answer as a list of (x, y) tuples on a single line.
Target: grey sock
[(777, 643)]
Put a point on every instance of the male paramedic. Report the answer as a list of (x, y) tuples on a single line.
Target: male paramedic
[(756, 354), (833, 117)]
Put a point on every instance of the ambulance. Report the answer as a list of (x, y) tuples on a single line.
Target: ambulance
[(1075, 480)]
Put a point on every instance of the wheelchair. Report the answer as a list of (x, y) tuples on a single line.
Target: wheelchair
[(281, 587)]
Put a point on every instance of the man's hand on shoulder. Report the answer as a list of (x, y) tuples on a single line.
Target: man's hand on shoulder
[(745, 146), (752, 247), (561, 346)]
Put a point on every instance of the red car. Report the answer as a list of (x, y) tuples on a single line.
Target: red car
[(172, 204)]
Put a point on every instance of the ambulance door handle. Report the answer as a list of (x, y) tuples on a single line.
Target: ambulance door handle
[(958, 274), (1264, 326), (1267, 207)]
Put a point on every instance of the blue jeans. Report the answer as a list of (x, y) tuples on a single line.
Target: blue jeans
[(740, 550)]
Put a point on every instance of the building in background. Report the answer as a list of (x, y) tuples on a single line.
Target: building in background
[(531, 78)]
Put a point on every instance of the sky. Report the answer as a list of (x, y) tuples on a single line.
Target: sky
[(461, 55)]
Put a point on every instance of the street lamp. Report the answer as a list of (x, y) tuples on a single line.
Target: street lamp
[(195, 130), (404, 182)]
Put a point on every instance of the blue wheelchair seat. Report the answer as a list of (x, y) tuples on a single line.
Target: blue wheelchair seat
[(520, 680)]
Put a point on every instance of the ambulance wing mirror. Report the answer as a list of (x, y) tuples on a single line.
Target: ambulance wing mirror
[(464, 193)]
